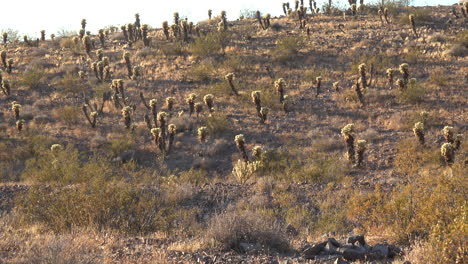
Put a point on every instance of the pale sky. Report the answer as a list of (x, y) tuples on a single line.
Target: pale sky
[(31, 16)]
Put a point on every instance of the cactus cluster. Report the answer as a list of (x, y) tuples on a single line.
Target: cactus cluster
[(230, 79), (418, 130), (280, 85), (240, 144), (348, 135), (15, 107), (126, 115)]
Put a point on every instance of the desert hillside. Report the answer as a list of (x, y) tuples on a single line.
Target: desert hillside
[(320, 136)]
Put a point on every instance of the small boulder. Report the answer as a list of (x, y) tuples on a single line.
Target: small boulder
[(314, 250), (352, 253)]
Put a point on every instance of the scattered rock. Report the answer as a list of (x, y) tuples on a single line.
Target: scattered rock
[(311, 252)]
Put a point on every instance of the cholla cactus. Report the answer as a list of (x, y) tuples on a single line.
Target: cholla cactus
[(380, 12), (90, 117), (347, 133), (458, 140), (15, 107), (136, 73), (126, 57), (156, 133), (171, 129), (81, 75), (357, 89), (154, 112), (424, 116), (240, 143), (286, 103), (191, 102), (26, 40), (448, 132), (280, 85), (198, 108), (404, 70), (9, 67), (126, 114), (170, 103), (81, 34), (176, 18), (162, 118), (102, 38), (210, 13), (418, 130), (202, 131), (263, 114), (266, 21), (285, 9), (144, 34), (257, 101), (257, 152), (3, 56), (209, 102), (100, 68), (385, 13), (361, 148), (243, 170), (56, 149), (230, 78), (42, 35), (353, 9), (258, 16), (131, 32), (95, 69), (318, 81), (413, 24), (448, 152), (125, 33), (223, 23), (336, 86), (165, 27), (362, 74), (87, 44), (6, 87), (19, 125), (401, 84), (5, 37), (390, 73), (83, 24)]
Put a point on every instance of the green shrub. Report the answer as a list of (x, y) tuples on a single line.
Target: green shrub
[(288, 47), (33, 77), (172, 49), (217, 124), (201, 72), (69, 85), (421, 16), (209, 45), (69, 115), (413, 94)]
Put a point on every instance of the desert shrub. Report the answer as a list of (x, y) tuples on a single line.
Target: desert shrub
[(69, 44), (462, 38), (32, 77), (228, 230), (234, 64), (414, 93), (421, 16), (288, 47), (194, 176), (209, 45), (201, 72), (217, 124), (172, 49), (69, 115), (121, 145), (69, 85)]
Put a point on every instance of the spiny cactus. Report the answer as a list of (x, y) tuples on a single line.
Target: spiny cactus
[(263, 114), (15, 107), (165, 27), (19, 125), (285, 9), (125, 33), (318, 82), (390, 73), (209, 102), (240, 143), (385, 13), (99, 54), (286, 103), (90, 117), (347, 133), (404, 70), (185, 30), (95, 70), (230, 78), (152, 104), (458, 140), (202, 131), (3, 55), (170, 103), (210, 13), (363, 76), (280, 85), (448, 132), (244, 170), (258, 16), (136, 73), (52, 37), (9, 67), (418, 130), (102, 38), (56, 149), (26, 40), (448, 152), (131, 33), (156, 133), (5, 37), (257, 152), (176, 18), (83, 24), (126, 57), (126, 114), (401, 84), (162, 119), (224, 23), (171, 129), (6, 88), (191, 102), (257, 101), (360, 149), (144, 34), (266, 21), (87, 44), (413, 24), (353, 10), (42, 35), (100, 68), (198, 108), (380, 12)]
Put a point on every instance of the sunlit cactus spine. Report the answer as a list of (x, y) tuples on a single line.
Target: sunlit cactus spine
[(448, 132), (202, 131), (363, 75), (126, 57), (257, 101), (280, 85), (5, 37), (264, 114), (3, 56), (209, 102), (318, 82), (170, 103), (126, 114), (42, 35), (413, 24), (448, 152), (191, 102), (162, 119), (404, 70), (286, 103), (15, 107), (360, 149), (418, 130), (347, 133), (6, 88), (198, 109), (102, 38), (230, 78), (336, 86), (156, 133), (210, 13), (458, 141), (401, 84), (19, 125), (257, 152), (154, 111), (240, 144)]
